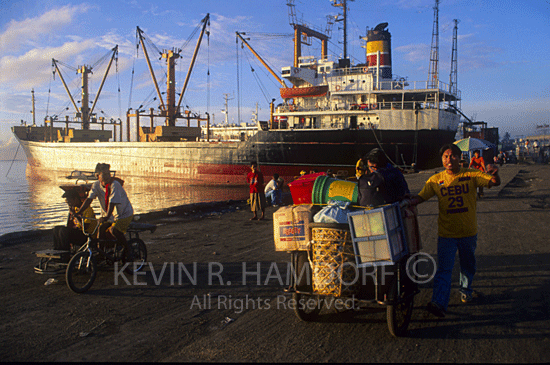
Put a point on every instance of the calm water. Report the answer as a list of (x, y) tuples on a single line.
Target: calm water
[(37, 204)]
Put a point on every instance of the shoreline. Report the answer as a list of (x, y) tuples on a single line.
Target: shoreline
[(181, 212), (198, 210), (192, 211)]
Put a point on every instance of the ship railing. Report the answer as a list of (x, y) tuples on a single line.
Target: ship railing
[(353, 108), (400, 84)]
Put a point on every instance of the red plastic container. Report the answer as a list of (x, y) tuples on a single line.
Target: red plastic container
[(301, 189)]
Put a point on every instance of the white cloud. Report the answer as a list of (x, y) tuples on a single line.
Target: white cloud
[(33, 68), (21, 34), (415, 52)]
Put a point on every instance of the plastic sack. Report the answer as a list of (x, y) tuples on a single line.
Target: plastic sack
[(335, 212)]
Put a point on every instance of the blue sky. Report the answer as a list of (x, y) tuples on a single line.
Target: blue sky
[(503, 52)]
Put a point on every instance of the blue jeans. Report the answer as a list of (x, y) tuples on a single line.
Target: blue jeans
[(446, 250), (274, 197)]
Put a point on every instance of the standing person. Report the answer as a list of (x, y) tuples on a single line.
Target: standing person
[(501, 158), (71, 234), (116, 210), (257, 197), (273, 192), (383, 184), (457, 224), (477, 162)]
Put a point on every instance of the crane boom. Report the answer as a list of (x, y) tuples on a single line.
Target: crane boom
[(261, 60)]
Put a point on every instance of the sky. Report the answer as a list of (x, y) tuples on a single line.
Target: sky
[(503, 53)]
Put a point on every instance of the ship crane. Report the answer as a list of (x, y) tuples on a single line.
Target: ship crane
[(302, 33), (170, 108), (85, 112), (240, 36)]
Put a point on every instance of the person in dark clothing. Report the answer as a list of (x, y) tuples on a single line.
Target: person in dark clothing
[(71, 234), (383, 184)]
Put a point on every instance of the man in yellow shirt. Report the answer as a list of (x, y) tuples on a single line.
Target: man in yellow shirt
[(455, 188)]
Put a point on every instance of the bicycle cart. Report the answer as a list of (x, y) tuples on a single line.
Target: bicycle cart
[(80, 264), (361, 263)]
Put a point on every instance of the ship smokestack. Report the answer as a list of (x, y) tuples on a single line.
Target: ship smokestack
[(379, 40)]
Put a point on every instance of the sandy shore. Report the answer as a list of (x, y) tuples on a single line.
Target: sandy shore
[(158, 317)]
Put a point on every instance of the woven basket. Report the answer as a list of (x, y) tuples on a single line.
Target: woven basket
[(331, 249)]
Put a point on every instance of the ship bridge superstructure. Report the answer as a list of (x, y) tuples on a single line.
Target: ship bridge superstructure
[(333, 94)]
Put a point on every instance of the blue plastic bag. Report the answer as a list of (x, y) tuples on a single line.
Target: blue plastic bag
[(335, 212)]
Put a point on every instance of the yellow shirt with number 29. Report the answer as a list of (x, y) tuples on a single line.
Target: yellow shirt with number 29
[(457, 200)]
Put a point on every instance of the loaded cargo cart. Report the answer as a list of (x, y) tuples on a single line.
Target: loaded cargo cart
[(362, 262)]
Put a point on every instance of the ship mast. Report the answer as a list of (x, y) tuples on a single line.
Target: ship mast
[(433, 74), (33, 109), (84, 106), (343, 5), (226, 110), (453, 78)]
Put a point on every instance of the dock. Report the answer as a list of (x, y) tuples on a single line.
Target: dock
[(159, 316)]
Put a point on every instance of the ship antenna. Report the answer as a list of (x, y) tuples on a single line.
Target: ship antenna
[(343, 4), (433, 73), (291, 13), (453, 78)]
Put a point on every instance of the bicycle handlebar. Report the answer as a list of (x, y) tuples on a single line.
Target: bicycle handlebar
[(82, 223)]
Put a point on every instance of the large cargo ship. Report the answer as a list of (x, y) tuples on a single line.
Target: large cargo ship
[(331, 115)]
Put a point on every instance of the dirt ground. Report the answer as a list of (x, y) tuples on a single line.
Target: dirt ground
[(168, 316)]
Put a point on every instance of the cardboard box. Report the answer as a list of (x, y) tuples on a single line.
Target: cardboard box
[(291, 230)]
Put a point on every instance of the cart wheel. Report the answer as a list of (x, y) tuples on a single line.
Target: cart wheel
[(81, 272), (307, 306), (399, 314), (139, 254), (303, 272)]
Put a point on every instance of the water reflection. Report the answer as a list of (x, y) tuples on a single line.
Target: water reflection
[(37, 204)]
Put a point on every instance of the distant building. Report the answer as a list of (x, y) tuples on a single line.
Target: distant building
[(470, 129)]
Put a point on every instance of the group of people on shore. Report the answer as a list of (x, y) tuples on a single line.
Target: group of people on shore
[(379, 182)]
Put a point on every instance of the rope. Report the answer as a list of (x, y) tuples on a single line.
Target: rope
[(49, 94), (263, 89), (381, 148), (12, 161), (119, 93)]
